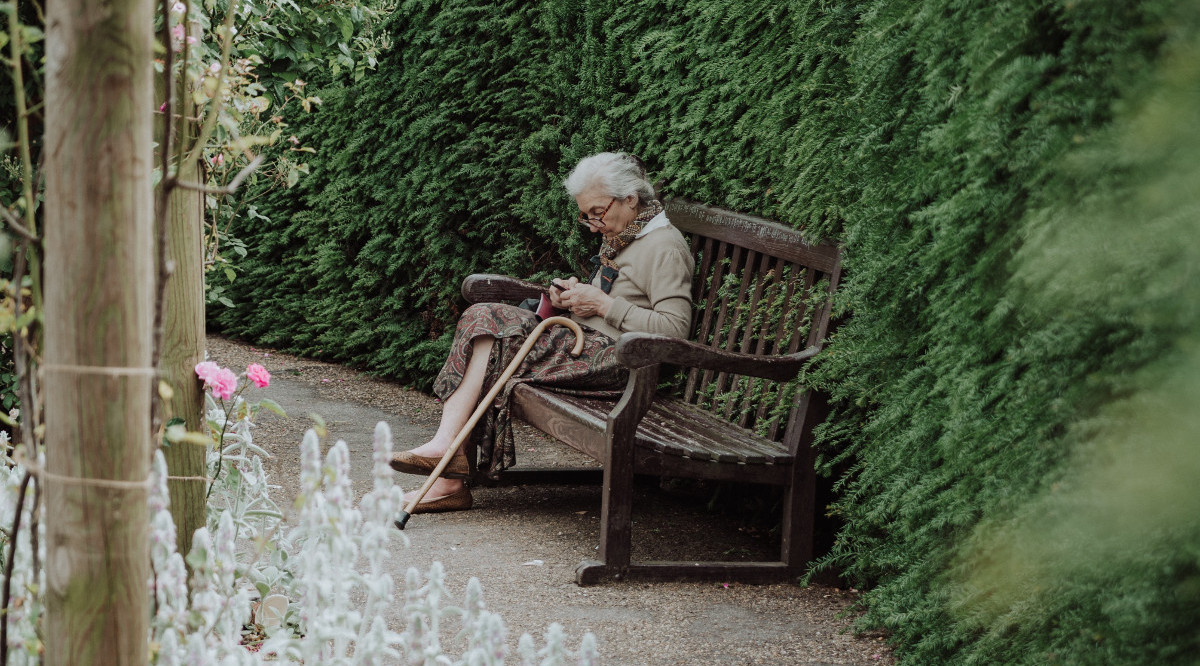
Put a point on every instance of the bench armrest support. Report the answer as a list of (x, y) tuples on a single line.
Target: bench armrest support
[(489, 288), (638, 350)]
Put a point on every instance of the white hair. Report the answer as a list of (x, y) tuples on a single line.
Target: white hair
[(615, 174)]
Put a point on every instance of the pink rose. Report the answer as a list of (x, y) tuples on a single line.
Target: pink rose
[(259, 375), (220, 380), (224, 384), (206, 370)]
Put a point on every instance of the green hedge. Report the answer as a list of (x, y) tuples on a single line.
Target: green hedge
[(1011, 181)]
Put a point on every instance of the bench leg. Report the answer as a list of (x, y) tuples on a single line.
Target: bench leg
[(799, 508), (616, 511), (616, 504)]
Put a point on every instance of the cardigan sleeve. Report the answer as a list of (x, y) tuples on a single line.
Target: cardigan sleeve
[(667, 283)]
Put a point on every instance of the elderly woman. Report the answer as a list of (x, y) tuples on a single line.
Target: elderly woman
[(641, 282)]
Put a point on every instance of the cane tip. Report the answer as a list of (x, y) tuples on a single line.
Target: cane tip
[(402, 520)]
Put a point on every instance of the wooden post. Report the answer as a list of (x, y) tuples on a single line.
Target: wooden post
[(183, 329), (99, 290)]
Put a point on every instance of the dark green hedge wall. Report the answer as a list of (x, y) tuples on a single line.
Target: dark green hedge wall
[(1015, 186)]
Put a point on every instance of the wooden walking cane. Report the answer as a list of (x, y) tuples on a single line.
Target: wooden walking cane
[(486, 402)]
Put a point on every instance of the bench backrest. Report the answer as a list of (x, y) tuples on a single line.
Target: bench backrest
[(759, 289)]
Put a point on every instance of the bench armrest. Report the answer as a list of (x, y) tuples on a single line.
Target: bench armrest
[(488, 288), (638, 350)]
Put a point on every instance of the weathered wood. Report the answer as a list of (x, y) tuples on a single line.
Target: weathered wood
[(99, 302), (810, 282), (616, 500), (691, 438), (823, 321), (774, 272), (183, 341), (798, 273), (735, 266), (800, 506), (704, 329), (637, 350), (592, 572), (742, 335), (487, 288), (697, 424), (562, 418), (655, 464), (670, 427), (735, 325), (751, 232), (702, 251)]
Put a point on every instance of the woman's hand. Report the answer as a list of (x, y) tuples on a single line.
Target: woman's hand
[(584, 300), (557, 293)]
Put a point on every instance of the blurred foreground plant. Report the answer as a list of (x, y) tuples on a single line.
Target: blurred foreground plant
[(325, 565)]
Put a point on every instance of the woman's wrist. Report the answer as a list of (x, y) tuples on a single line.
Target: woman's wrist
[(605, 305)]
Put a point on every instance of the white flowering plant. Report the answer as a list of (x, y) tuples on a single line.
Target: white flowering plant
[(25, 602), (311, 587)]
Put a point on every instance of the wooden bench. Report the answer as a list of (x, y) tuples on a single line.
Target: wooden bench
[(762, 310)]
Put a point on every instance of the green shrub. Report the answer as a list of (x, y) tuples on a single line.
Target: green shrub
[(1017, 281)]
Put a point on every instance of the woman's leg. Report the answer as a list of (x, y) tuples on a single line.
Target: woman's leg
[(457, 408), (456, 411)]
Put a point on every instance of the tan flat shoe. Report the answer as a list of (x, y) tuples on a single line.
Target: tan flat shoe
[(458, 501), (413, 464)]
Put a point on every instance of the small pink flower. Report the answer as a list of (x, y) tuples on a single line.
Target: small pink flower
[(163, 107), (221, 381), (224, 384), (206, 370), (294, 140), (259, 375), (178, 31)]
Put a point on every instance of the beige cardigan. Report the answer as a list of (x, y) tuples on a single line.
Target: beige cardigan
[(653, 292)]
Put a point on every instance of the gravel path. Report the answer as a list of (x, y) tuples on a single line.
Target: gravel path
[(523, 543)]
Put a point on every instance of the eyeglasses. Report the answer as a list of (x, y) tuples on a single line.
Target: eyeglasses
[(588, 220)]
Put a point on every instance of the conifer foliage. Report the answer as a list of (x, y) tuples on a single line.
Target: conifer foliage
[(1010, 181)]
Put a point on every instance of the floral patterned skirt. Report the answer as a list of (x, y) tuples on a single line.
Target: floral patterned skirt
[(549, 364)]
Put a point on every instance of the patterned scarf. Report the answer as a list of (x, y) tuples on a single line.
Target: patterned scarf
[(613, 245)]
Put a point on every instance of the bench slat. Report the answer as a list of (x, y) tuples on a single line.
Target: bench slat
[(721, 430), (671, 435), (773, 275), (713, 339), (737, 312), (745, 329), (713, 434), (670, 428), (717, 267)]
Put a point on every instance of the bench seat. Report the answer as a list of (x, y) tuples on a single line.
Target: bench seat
[(672, 438)]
